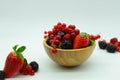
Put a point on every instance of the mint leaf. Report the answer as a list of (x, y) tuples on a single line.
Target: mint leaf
[(21, 49), (15, 47)]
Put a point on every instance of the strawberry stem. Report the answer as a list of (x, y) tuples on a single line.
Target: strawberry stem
[(19, 51)]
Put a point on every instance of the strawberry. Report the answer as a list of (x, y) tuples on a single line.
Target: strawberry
[(81, 40), (14, 61)]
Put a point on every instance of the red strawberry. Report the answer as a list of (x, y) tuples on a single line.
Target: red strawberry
[(14, 61), (81, 41), (67, 37)]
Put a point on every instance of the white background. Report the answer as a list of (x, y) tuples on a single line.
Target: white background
[(23, 22)]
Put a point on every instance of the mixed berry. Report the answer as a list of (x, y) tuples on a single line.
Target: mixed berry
[(112, 46), (65, 36), (17, 63)]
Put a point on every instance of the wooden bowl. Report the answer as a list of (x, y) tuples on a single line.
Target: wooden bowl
[(69, 57)]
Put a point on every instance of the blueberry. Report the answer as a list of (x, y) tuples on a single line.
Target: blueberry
[(34, 66), (66, 44), (102, 44), (61, 34), (2, 75), (111, 48), (48, 41)]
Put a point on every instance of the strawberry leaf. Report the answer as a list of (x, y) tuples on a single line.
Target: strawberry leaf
[(15, 47), (21, 49), (20, 55), (25, 62), (91, 42), (83, 34)]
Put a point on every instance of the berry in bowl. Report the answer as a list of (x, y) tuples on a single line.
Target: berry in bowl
[(68, 46)]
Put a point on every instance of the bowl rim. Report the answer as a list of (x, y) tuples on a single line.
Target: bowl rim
[(44, 42)]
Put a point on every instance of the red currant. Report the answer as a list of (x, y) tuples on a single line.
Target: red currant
[(54, 51), (51, 36), (72, 27)]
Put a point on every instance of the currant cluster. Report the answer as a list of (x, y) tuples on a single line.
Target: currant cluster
[(112, 46), (60, 35), (29, 69)]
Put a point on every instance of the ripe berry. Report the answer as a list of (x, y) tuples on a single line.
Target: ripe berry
[(113, 40), (48, 41), (73, 35), (51, 36), (54, 51), (34, 66), (72, 27), (66, 44), (32, 72), (67, 37), (2, 75), (102, 44), (58, 37), (77, 31), (111, 48)]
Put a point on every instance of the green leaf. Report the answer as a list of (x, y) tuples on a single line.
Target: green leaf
[(25, 62), (15, 47), (83, 34), (21, 49), (91, 42), (20, 55)]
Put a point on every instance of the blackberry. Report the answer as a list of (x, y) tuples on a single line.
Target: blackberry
[(61, 34), (111, 48), (66, 44), (2, 75), (102, 44), (48, 41), (34, 66)]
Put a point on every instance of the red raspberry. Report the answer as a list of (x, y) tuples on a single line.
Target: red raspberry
[(67, 37), (113, 40)]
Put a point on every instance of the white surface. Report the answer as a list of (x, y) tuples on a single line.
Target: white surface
[(23, 22)]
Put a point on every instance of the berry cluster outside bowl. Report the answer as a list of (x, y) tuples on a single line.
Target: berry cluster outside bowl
[(69, 57)]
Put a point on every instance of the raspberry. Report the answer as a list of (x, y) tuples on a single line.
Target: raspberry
[(66, 44), (2, 75), (113, 40), (111, 48), (102, 44), (67, 37)]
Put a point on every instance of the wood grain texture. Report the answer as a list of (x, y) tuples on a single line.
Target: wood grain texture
[(71, 57)]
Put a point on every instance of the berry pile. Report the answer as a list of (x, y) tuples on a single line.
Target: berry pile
[(112, 46), (68, 37), (30, 69), (16, 62)]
